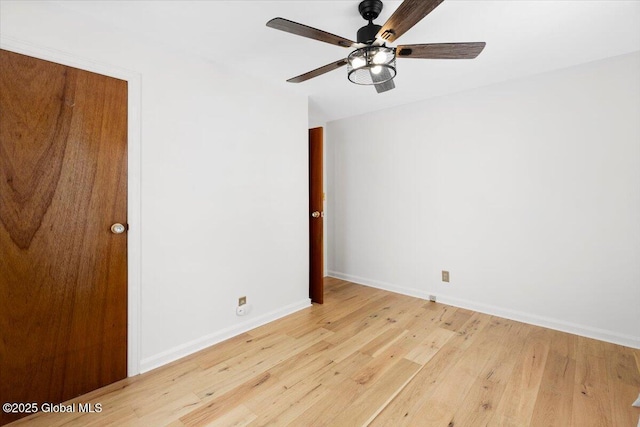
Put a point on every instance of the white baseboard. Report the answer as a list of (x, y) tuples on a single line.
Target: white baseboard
[(547, 322), (193, 346)]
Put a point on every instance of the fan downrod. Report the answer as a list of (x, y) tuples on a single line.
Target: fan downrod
[(370, 9)]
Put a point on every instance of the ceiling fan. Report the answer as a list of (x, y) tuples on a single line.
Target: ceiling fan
[(372, 62)]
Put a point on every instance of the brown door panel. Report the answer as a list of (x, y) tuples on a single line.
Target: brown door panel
[(63, 274), (316, 216)]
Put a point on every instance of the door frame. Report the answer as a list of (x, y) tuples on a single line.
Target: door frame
[(134, 278)]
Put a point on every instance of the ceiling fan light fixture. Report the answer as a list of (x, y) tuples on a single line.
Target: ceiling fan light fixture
[(371, 65)]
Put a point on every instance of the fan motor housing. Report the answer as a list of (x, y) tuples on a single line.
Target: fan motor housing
[(367, 34)]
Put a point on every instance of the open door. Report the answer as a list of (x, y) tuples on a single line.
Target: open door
[(316, 216)]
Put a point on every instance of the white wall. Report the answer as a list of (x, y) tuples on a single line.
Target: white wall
[(224, 184), (528, 192)]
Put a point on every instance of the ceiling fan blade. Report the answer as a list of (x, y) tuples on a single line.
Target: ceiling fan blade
[(383, 87), (440, 50), (309, 32), (382, 81), (318, 71), (408, 14)]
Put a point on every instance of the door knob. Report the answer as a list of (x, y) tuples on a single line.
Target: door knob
[(118, 228), (316, 214)]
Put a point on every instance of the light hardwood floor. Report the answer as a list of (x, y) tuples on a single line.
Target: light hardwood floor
[(370, 357)]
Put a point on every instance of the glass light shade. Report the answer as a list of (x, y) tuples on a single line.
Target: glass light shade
[(380, 57), (371, 65), (358, 62)]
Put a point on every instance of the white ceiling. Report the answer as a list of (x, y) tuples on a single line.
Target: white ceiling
[(523, 38)]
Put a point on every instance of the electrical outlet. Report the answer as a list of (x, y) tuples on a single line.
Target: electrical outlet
[(432, 298), (242, 301), (445, 276)]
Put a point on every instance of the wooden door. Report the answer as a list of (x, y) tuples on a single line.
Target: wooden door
[(316, 217), (63, 273)]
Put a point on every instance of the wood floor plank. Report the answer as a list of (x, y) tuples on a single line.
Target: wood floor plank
[(377, 308), (282, 406), (237, 370), (591, 392), (166, 409), (383, 341), (458, 318), (371, 357), (403, 409), (434, 315), (468, 333), (370, 372), (219, 353), (377, 394), (443, 407), (290, 382), (300, 365), (423, 351), (486, 392), (518, 400), (216, 407), (299, 398), (554, 403), (333, 402), (239, 416), (625, 386)]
